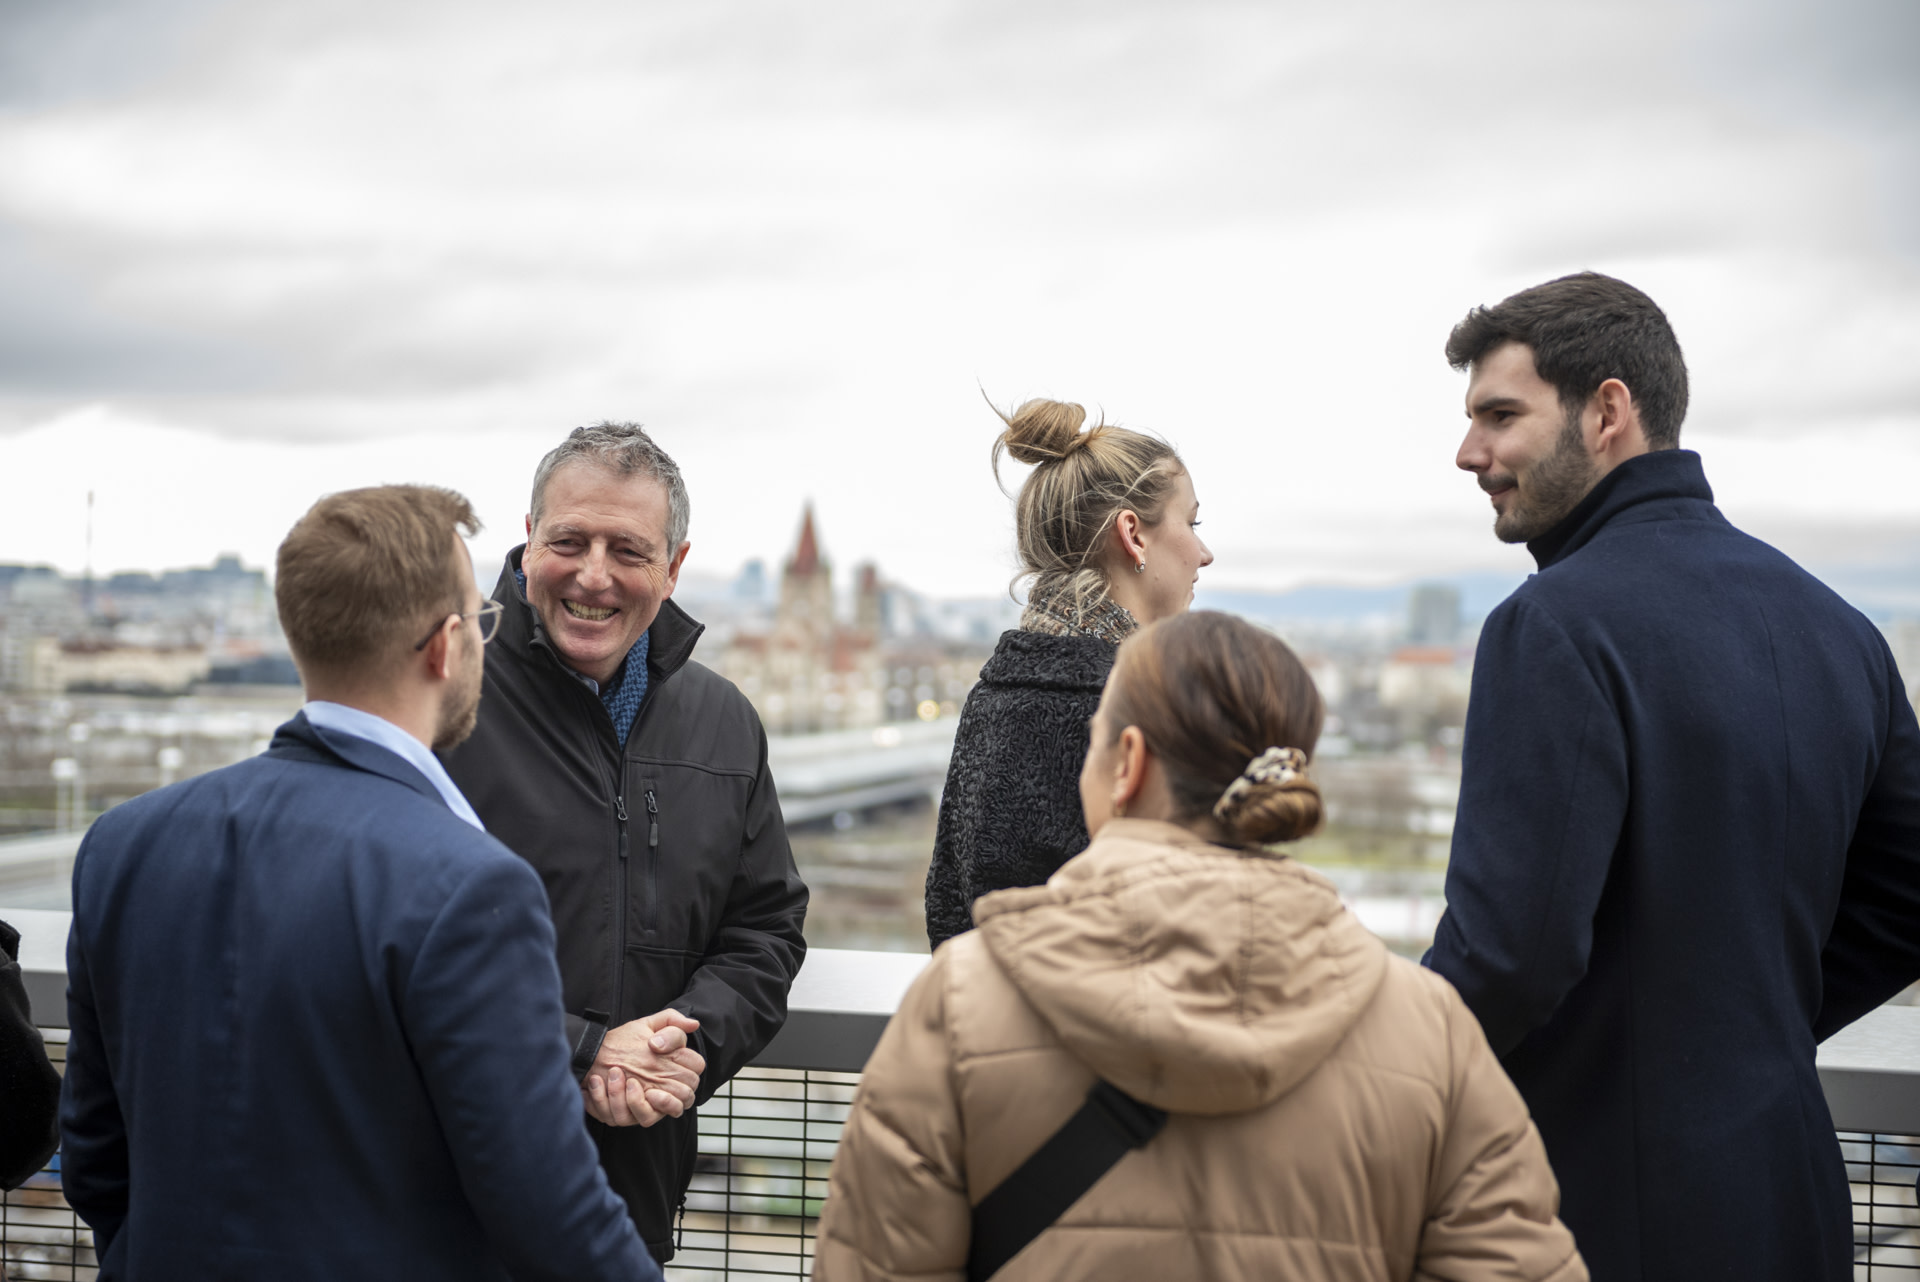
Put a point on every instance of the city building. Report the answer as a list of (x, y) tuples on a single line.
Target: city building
[(1426, 687), (137, 632), (813, 666), (1433, 614)]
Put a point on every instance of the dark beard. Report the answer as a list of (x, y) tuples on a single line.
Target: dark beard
[(1553, 487)]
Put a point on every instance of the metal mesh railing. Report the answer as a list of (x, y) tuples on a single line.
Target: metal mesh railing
[(40, 1236), (767, 1140), (1883, 1171)]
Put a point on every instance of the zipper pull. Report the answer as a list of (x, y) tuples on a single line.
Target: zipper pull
[(653, 820), (620, 809)]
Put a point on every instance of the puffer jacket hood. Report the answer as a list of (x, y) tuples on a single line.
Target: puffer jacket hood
[(1195, 977), (1336, 1115)]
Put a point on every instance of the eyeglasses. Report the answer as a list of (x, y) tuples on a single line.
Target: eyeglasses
[(488, 616)]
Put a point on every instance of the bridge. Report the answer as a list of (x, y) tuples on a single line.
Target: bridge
[(822, 774)]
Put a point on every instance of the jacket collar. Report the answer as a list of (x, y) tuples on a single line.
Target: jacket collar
[(670, 640), (1198, 978), (1042, 661), (349, 750), (1673, 475)]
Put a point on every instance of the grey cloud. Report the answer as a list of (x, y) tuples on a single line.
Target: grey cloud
[(1068, 133), (1875, 565), (58, 339), (1561, 246), (1847, 66), (1840, 61), (57, 51)]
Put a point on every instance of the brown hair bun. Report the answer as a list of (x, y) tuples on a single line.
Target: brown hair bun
[(1213, 695), (1043, 431), (1271, 812)]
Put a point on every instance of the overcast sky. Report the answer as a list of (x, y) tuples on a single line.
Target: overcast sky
[(250, 253)]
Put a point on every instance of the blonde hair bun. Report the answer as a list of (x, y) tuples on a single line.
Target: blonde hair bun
[(1043, 431), (1080, 483)]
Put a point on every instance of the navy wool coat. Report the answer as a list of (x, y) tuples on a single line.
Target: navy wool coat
[(317, 1034), (1689, 819)]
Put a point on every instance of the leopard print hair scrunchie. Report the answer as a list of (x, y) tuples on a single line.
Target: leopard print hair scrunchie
[(1275, 765)]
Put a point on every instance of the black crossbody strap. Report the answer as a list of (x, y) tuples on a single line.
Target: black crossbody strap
[(1107, 1127)]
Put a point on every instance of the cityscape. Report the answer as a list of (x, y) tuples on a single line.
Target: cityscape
[(113, 686)]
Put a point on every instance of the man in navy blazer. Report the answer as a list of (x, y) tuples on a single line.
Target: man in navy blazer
[(316, 1021), (1688, 843)]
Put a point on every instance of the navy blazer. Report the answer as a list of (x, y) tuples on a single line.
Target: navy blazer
[(1689, 823), (317, 1034)]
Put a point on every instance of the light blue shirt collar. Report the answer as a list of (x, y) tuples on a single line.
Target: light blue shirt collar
[(383, 733)]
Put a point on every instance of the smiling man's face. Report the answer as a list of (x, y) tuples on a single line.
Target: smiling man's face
[(1527, 452), (598, 565)]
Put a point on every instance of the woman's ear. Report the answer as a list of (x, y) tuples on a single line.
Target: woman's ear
[(1130, 769), (1127, 530)]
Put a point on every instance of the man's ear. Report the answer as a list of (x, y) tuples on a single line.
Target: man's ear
[(1616, 428), (673, 569), (529, 527), (438, 652)]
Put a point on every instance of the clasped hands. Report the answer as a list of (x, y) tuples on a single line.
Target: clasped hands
[(645, 1071)]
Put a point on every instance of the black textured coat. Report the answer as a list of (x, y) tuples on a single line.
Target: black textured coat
[(666, 864), (1010, 813), (29, 1084)]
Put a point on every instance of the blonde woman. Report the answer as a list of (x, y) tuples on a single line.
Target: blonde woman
[(1300, 1103), (1108, 532)]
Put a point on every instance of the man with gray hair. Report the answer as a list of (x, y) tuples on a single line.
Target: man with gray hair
[(635, 781)]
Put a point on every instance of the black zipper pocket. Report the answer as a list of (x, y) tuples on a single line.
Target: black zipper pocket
[(620, 882), (652, 916)]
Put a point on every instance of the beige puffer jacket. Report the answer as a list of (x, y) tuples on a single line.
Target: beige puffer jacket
[(1336, 1112)]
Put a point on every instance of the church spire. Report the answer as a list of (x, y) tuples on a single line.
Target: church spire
[(806, 557)]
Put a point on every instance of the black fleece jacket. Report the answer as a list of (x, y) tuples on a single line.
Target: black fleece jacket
[(1010, 813), (29, 1084), (666, 864)]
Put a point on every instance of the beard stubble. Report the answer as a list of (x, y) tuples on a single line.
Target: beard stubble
[(1553, 487)]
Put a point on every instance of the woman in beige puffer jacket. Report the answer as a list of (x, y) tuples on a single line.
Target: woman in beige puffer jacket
[(1336, 1112)]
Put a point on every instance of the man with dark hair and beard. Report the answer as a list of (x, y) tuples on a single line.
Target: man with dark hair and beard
[(316, 1023), (1688, 841)]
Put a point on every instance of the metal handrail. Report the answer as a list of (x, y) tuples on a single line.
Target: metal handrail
[(842, 999)]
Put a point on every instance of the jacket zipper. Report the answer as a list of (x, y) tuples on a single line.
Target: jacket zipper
[(653, 836), (653, 861), (619, 912), (622, 863)]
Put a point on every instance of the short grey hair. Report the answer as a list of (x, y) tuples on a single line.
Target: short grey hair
[(622, 449)]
